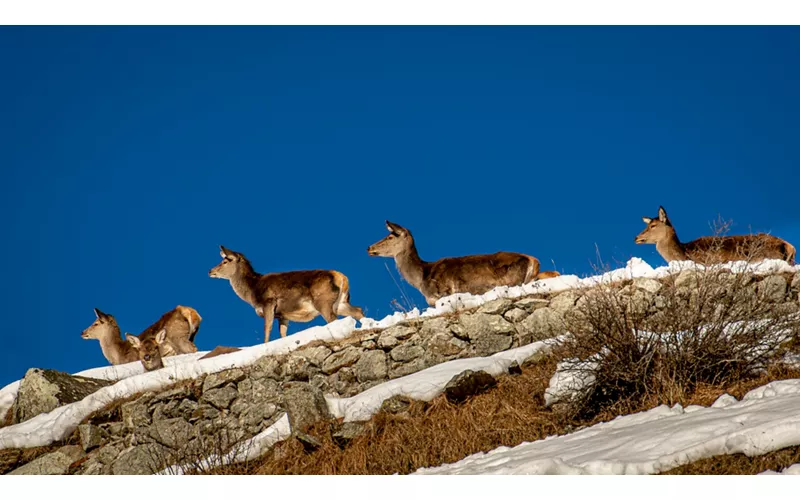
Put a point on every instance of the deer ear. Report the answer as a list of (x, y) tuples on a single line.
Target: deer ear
[(161, 336), (647, 220), (223, 252), (395, 228), (662, 215), (133, 340)]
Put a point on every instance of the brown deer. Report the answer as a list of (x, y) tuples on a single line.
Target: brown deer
[(148, 348), (181, 325), (290, 296), (473, 274), (106, 330), (712, 249)]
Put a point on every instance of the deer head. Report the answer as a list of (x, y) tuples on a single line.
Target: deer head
[(398, 241), (104, 325), (148, 349), (658, 229), (230, 265)]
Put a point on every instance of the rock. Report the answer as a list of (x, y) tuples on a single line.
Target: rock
[(489, 344), (397, 370), (466, 384), (135, 413), (443, 345), (267, 366), (435, 325), (182, 392), (542, 324), (304, 404), (477, 324), (386, 341), (563, 302), (515, 315), (347, 432), (371, 366), (315, 355), (164, 411), (204, 412), (259, 389), (514, 369), (108, 453), (91, 436), (53, 463), (222, 378), (42, 391), (396, 404), (114, 428), (343, 381), (530, 304), (687, 279), (141, 460), (297, 367), (497, 306), (639, 303), (221, 398), (257, 413), (773, 289), (186, 408), (309, 442), (647, 284), (392, 336), (344, 358), (173, 433), (796, 283), (406, 352)]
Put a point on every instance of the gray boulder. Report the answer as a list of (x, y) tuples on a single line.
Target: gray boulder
[(515, 315), (563, 302), (773, 288), (221, 397), (305, 405), (222, 378), (466, 384), (91, 436), (342, 359), (43, 391), (530, 304), (487, 345), (141, 460), (406, 352), (371, 366), (54, 463), (497, 306), (542, 324), (173, 433), (474, 325)]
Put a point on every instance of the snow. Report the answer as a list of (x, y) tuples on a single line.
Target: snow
[(426, 384), (655, 440), (249, 449), (131, 380)]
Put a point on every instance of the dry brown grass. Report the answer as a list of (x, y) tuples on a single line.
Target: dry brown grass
[(439, 432), (740, 464)]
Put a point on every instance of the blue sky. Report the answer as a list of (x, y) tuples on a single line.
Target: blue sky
[(129, 154)]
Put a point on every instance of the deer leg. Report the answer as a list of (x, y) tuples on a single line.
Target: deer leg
[(283, 325), (267, 311)]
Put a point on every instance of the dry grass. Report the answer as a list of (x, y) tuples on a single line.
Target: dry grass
[(740, 464)]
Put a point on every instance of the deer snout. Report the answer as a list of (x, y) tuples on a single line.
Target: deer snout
[(639, 240), (84, 335)]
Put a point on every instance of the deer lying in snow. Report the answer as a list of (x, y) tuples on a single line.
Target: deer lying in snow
[(712, 249), (473, 274), (290, 296), (181, 325), (148, 348)]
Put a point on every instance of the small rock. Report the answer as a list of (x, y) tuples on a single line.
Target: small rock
[(91, 436), (773, 289), (268, 366), (140, 460), (309, 442), (135, 413), (468, 383), (259, 389), (257, 413), (406, 352), (176, 393), (304, 404), (204, 412), (400, 332), (647, 284), (530, 304), (542, 324), (315, 355), (515, 315), (221, 397), (796, 283), (687, 279), (514, 369), (497, 306), (173, 433), (222, 378), (53, 463), (444, 344), (347, 432), (344, 358), (402, 369), (435, 325), (396, 404), (477, 324), (487, 345), (296, 367), (563, 302), (371, 366)]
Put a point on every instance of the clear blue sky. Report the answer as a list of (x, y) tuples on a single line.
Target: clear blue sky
[(129, 154)]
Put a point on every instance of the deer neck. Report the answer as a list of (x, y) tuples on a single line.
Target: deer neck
[(114, 348), (411, 267), (671, 248), (244, 284)]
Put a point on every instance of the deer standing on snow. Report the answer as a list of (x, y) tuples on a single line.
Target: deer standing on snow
[(712, 249), (473, 274), (289, 296)]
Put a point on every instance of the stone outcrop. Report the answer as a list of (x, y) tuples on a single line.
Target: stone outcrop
[(43, 391)]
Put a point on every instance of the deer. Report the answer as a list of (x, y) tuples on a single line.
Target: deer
[(712, 249), (147, 347), (475, 274), (106, 330), (288, 296), (181, 324)]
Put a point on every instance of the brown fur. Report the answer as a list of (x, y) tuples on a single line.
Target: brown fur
[(181, 324), (106, 330), (712, 249), (290, 296), (474, 274), (148, 348)]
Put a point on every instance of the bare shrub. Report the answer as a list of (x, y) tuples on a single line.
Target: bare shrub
[(657, 341)]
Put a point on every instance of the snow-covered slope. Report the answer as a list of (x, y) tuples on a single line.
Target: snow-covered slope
[(767, 419)]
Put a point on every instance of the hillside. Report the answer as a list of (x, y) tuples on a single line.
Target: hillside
[(498, 363)]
